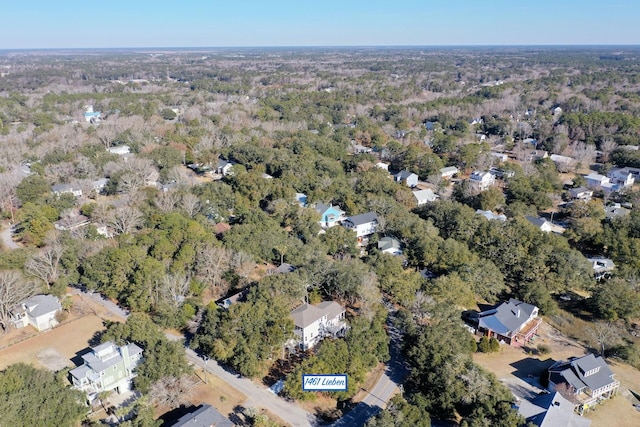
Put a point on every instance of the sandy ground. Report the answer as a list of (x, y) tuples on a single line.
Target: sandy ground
[(50, 348), (519, 369)]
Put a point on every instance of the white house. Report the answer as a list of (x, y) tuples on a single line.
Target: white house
[(61, 189), (596, 181), (491, 216), (481, 181), (563, 163), (224, 167), (622, 177), (502, 157), (389, 245), (581, 193), (364, 224), (121, 150), (314, 322), (424, 196), (408, 178), (38, 311), (448, 172), (383, 166), (544, 225)]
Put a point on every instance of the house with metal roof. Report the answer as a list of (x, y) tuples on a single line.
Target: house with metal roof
[(389, 245), (315, 322), (107, 367), (513, 322), (588, 379), (364, 224), (551, 410), (39, 311), (424, 196), (329, 215), (410, 179), (203, 416)]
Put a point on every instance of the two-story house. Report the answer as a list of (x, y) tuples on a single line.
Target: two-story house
[(513, 322), (107, 367), (39, 311), (364, 224), (481, 181), (588, 379), (314, 322), (329, 215)]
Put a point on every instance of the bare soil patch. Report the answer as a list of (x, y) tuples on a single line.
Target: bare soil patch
[(67, 340)]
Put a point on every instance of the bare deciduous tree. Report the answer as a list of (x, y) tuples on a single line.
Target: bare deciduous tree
[(172, 391), (166, 201), (174, 289), (190, 204), (607, 147), (125, 219), (243, 264), (604, 334), (44, 265), (211, 263), (13, 289)]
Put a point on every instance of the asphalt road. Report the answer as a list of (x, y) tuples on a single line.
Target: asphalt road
[(7, 241)]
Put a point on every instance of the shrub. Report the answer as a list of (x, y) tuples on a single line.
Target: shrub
[(544, 349)]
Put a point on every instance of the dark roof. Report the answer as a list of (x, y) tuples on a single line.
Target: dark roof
[(204, 416), (362, 218), (573, 372)]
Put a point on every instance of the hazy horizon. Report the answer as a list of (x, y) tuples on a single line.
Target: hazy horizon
[(41, 24)]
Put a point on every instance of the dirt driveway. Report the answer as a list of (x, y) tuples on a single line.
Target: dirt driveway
[(520, 368)]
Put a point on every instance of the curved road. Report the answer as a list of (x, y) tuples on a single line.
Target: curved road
[(7, 240)]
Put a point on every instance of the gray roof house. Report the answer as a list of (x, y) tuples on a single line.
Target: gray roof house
[(61, 189), (581, 193), (38, 311), (551, 410), (389, 245), (410, 179), (448, 172), (424, 196), (203, 416), (491, 216), (364, 224), (513, 322), (314, 322), (589, 380), (107, 367)]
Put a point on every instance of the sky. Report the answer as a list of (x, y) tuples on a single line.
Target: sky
[(39, 24)]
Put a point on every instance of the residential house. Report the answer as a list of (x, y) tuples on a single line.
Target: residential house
[(448, 172), (596, 181), (513, 322), (481, 137), (314, 322), (329, 215), (602, 267), (551, 410), (615, 211), (360, 149), (502, 157), (383, 166), (204, 415), (389, 245), (410, 179), (71, 223), (534, 155), (121, 150), (91, 116), (283, 269), (481, 181), (364, 224), (220, 228), (581, 193), (232, 299), (622, 177), (424, 196), (99, 185), (491, 216), (61, 189), (39, 311), (544, 225), (588, 379), (107, 367), (223, 167), (563, 163)]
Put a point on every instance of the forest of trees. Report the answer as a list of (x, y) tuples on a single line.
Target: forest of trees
[(290, 126)]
